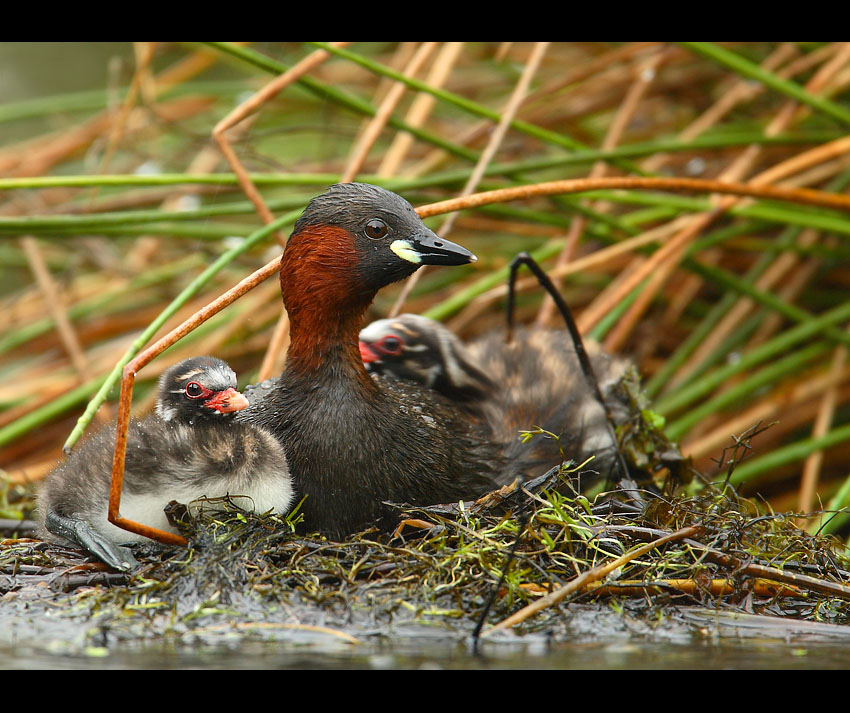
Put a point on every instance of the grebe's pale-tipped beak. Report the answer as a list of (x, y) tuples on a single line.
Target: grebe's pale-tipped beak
[(427, 248)]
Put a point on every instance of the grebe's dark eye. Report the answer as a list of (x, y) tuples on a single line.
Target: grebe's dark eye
[(391, 345), (194, 390), (376, 229)]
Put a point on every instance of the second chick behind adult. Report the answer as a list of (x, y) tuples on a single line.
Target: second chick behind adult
[(533, 380)]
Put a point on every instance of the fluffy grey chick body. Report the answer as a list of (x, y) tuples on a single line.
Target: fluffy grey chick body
[(189, 448), (533, 380)]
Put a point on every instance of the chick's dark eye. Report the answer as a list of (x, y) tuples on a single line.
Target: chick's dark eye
[(376, 228), (391, 345), (194, 390)]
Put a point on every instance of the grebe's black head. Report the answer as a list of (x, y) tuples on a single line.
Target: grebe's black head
[(388, 238), (201, 389)]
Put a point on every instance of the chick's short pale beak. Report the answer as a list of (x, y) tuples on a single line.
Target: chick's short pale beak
[(227, 401), (367, 354)]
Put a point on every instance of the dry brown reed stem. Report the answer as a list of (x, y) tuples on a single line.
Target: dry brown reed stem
[(685, 294), (205, 161), (645, 74), (275, 353), (742, 307), (616, 293), (791, 288), (420, 109), (144, 55), (496, 138), (502, 51), (666, 256), (49, 380), (127, 380), (783, 428), (741, 566), (267, 295), (745, 90), (515, 100), (716, 587), (671, 254), (188, 67), (801, 272), (593, 261), (276, 350), (588, 69), (591, 575), (469, 137), (825, 74), (480, 129), (777, 272), (53, 300), (384, 112), (820, 173), (104, 121), (657, 269), (825, 79), (754, 189), (36, 157), (786, 400), (796, 164), (742, 90), (248, 107), (675, 250), (603, 92), (823, 421), (807, 62)]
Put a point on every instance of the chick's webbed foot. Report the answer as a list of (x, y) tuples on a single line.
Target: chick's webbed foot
[(82, 533)]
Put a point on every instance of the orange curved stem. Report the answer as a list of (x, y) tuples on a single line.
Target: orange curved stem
[(806, 196), (128, 378)]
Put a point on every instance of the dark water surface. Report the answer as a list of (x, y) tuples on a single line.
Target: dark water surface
[(594, 637), (728, 654)]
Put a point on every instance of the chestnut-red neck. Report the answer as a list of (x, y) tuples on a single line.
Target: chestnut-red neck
[(325, 299)]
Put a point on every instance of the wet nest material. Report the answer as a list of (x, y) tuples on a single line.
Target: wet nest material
[(519, 561)]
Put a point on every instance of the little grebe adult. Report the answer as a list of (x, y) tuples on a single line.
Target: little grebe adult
[(354, 443), (533, 380), (190, 447)]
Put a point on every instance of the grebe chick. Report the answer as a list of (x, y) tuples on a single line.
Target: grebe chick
[(419, 349), (534, 380), (354, 443), (190, 447)]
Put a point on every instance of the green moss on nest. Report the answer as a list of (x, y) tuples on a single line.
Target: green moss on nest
[(243, 571)]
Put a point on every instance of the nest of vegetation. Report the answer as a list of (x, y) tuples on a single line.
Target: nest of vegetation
[(514, 559), (121, 216)]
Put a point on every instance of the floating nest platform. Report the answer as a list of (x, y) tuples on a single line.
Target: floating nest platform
[(520, 561)]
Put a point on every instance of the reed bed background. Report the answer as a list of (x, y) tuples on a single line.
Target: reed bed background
[(120, 217)]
